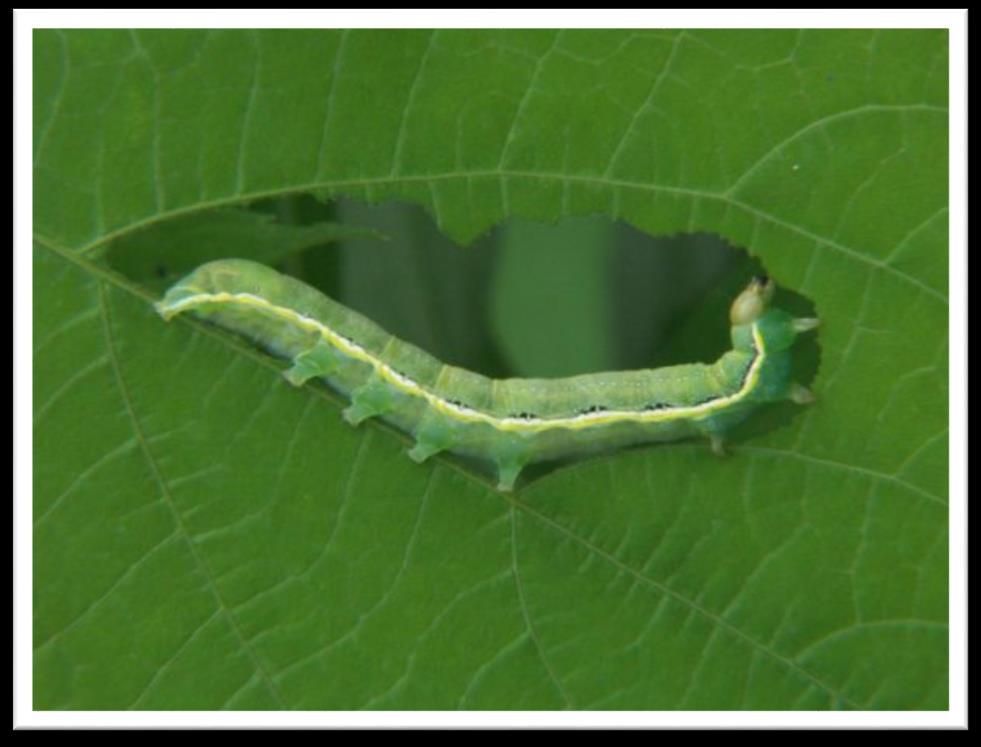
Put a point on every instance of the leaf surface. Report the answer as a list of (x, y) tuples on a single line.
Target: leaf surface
[(207, 536)]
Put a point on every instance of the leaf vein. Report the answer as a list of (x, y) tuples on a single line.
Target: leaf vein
[(519, 587), (168, 498)]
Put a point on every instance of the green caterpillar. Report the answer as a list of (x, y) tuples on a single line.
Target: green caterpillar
[(508, 422)]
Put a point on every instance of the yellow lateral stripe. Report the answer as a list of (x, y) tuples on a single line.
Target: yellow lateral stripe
[(532, 425)]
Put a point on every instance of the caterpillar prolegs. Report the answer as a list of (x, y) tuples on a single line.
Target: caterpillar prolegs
[(507, 422)]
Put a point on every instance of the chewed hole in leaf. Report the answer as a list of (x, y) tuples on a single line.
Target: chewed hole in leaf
[(525, 299)]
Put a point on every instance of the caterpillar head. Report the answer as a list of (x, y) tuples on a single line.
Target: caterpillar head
[(751, 304)]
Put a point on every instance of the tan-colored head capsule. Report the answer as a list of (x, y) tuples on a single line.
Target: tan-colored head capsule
[(752, 302)]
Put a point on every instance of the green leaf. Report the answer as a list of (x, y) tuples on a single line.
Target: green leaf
[(207, 536)]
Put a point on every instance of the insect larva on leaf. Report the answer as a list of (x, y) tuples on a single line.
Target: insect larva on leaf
[(507, 422)]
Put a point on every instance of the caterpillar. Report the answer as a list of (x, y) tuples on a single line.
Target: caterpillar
[(507, 422)]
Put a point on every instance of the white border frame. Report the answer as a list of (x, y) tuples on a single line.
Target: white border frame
[(26, 21)]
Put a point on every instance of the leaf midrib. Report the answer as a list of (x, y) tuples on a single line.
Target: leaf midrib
[(559, 178)]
